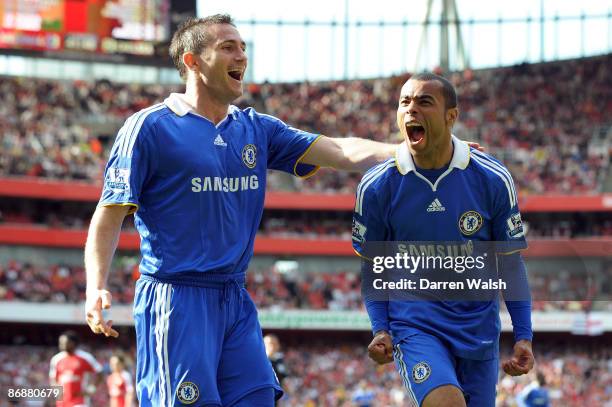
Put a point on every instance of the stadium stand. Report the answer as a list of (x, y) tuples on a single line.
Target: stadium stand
[(49, 126)]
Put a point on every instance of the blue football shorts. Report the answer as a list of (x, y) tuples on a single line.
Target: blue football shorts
[(425, 363), (199, 342)]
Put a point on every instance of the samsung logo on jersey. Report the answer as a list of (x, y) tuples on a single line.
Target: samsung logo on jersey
[(452, 250), (224, 184)]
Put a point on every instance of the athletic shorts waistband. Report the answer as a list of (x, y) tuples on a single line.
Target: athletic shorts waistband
[(199, 279)]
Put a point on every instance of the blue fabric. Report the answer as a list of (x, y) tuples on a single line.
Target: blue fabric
[(538, 397), (201, 343), (258, 398), (425, 363), (379, 315), (391, 206), (199, 187), (520, 311)]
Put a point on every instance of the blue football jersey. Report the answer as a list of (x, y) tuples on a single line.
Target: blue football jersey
[(197, 189), (474, 199), (538, 397), (533, 395)]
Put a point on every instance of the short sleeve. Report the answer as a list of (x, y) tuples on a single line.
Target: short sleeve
[(127, 379), (53, 370), (287, 146), (130, 164), (368, 220), (508, 229)]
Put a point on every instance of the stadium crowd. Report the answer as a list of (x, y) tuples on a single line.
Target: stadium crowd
[(540, 130), (58, 283), (273, 289), (342, 375)]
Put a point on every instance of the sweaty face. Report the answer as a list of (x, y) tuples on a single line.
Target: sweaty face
[(422, 117), (224, 63)]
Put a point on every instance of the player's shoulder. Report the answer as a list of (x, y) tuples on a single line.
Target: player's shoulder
[(144, 119), (126, 376), (58, 356), (377, 178), (380, 171), (249, 114), (489, 166), (86, 356), (149, 114), (138, 127), (495, 173)]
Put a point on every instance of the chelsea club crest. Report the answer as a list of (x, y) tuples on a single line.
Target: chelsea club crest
[(421, 372), (470, 222), (249, 155), (187, 393)]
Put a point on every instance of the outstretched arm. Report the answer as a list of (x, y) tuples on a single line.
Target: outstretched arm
[(349, 154)]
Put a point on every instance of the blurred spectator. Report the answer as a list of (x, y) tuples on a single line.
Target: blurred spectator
[(276, 356), (73, 369), (535, 394), (119, 383)]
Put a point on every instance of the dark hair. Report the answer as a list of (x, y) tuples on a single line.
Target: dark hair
[(192, 36), (72, 336), (120, 357), (541, 378), (448, 90)]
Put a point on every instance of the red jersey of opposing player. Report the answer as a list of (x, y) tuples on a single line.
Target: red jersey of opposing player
[(69, 368), (119, 386)]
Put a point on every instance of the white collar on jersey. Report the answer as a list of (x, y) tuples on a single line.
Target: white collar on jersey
[(461, 156), (177, 103)]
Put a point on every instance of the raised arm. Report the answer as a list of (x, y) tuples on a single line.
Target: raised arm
[(102, 240), (349, 154)]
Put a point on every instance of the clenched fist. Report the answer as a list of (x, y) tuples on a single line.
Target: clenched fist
[(380, 349)]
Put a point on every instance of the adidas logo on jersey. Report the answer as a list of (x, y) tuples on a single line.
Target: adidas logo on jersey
[(436, 206), (219, 141)]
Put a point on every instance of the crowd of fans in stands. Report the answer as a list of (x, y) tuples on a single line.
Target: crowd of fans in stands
[(336, 375), (60, 283), (539, 119), (272, 289)]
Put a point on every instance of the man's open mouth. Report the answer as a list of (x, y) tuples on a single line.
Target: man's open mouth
[(235, 74), (415, 132)]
